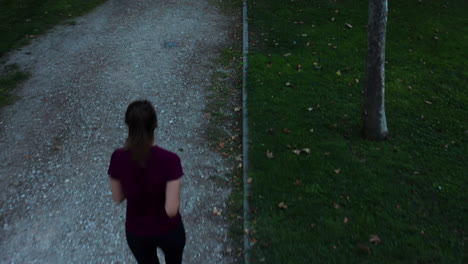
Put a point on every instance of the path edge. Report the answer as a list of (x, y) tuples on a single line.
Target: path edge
[(245, 131)]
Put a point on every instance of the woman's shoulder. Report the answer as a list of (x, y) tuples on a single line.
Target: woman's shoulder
[(119, 153), (164, 154)]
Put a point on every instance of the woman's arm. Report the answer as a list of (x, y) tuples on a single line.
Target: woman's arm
[(172, 198), (117, 192)]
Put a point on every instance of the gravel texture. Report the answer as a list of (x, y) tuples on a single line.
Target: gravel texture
[(56, 141)]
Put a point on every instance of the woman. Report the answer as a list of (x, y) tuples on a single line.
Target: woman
[(149, 178)]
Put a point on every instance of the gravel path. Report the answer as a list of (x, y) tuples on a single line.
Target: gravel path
[(56, 141)]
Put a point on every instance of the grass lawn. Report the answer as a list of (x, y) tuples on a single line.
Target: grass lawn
[(339, 198), (23, 20)]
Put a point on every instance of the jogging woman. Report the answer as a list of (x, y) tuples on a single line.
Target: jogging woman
[(148, 177)]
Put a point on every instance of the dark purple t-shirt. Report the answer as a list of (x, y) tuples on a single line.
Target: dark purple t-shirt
[(145, 190)]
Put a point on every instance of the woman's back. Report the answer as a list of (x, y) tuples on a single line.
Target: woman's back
[(145, 189)]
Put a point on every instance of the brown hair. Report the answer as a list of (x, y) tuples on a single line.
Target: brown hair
[(141, 120)]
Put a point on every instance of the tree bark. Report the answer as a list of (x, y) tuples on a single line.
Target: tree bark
[(375, 122)]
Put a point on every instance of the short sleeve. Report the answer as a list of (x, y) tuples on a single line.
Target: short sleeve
[(113, 170), (175, 171)]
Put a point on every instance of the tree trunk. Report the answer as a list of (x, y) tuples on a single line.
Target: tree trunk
[(375, 122)]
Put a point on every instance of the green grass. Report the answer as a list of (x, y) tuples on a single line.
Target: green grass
[(223, 112), (409, 190), (23, 20)]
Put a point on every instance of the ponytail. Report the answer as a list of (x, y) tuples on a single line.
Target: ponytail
[(141, 120)]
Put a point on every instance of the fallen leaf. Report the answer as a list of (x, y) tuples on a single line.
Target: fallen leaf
[(288, 84), (282, 205), (311, 130), (298, 182), (357, 80), (299, 151), (337, 206), (217, 212), (269, 154), (348, 25), (337, 171), (327, 153), (249, 180), (287, 131), (346, 220), (338, 73), (239, 166), (312, 225), (310, 108), (287, 54), (374, 239), (332, 19), (428, 102), (237, 109), (239, 158), (221, 144)]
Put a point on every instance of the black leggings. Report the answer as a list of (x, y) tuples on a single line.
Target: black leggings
[(144, 248)]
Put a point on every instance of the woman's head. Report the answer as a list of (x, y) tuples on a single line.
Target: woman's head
[(141, 121)]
